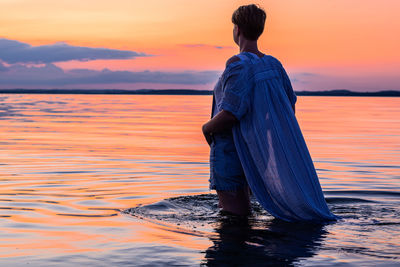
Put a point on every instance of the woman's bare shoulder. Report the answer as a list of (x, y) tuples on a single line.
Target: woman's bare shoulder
[(232, 60)]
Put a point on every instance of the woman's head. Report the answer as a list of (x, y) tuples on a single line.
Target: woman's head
[(250, 20)]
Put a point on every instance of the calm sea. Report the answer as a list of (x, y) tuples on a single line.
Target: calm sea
[(122, 180)]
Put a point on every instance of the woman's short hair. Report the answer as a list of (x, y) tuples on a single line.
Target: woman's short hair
[(251, 20)]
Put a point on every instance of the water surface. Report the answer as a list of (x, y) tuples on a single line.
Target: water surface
[(122, 180)]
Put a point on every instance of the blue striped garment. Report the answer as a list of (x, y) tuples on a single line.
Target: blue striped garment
[(270, 145)]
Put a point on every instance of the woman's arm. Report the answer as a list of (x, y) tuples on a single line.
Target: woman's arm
[(221, 122)]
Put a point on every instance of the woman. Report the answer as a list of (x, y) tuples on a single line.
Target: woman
[(254, 135)]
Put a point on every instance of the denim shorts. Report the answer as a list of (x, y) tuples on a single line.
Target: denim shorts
[(226, 172)]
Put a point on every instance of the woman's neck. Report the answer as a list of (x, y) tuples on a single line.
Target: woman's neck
[(249, 46)]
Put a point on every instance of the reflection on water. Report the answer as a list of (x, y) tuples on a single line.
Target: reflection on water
[(244, 241), (70, 164), (275, 244)]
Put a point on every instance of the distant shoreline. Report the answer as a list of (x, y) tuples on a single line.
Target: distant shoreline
[(184, 92), (348, 93)]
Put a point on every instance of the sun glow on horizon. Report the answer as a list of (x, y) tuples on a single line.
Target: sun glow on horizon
[(336, 39)]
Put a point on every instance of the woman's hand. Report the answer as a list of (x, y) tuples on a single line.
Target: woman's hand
[(207, 135), (221, 122)]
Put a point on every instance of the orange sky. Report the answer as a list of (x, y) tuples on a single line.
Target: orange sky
[(345, 40)]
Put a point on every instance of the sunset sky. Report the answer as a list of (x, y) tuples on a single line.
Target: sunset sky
[(176, 44)]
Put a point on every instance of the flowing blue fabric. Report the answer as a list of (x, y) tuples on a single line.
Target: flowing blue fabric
[(273, 153)]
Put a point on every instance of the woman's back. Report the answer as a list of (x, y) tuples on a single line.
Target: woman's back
[(257, 103)]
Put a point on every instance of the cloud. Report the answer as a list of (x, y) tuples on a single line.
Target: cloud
[(19, 75), (313, 81), (303, 77), (206, 46), (2, 67), (12, 51)]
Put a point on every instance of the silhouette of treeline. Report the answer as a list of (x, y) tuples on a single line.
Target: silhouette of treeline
[(107, 91), (348, 93), (183, 92)]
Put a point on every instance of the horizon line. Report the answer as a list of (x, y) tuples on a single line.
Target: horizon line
[(334, 92)]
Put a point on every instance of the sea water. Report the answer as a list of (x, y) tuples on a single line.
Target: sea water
[(122, 180)]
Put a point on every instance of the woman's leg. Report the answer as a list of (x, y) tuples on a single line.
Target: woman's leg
[(236, 202)]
